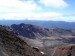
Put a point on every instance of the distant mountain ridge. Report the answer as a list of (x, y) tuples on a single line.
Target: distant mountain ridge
[(32, 31), (45, 24)]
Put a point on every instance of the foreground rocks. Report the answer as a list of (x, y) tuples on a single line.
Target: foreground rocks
[(65, 51), (11, 45)]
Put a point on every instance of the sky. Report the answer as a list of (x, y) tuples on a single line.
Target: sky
[(57, 10)]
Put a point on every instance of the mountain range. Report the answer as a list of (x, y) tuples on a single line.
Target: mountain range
[(47, 39), (45, 24), (37, 32), (51, 41)]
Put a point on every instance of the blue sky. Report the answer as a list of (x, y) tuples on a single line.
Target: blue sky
[(57, 10)]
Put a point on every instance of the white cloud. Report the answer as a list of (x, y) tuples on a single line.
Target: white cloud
[(54, 3), (31, 16), (10, 9), (44, 16), (69, 18), (18, 10), (17, 6)]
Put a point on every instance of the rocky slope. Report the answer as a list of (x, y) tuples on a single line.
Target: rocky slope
[(11, 45)]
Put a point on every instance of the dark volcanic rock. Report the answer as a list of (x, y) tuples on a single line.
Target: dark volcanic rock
[(11, 45)]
